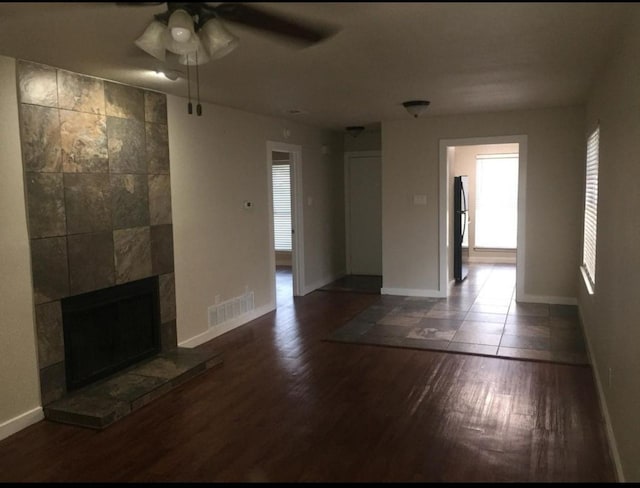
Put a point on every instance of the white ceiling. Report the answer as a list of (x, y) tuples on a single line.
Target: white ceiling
[(463, 57)]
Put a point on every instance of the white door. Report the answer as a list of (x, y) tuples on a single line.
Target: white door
[(364, 207)]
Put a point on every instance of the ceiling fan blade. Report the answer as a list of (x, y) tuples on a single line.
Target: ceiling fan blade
[(276, 24)]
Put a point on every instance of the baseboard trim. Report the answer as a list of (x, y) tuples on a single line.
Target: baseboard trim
[(20, 422), (320, 283), (220, 329), (492, 260), (552, 300), (613, 445), (414, 292)]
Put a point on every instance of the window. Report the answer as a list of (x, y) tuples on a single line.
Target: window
[(281, 178), (591, 208), (496, 201)]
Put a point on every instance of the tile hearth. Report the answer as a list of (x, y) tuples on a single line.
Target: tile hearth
[(99, 405)]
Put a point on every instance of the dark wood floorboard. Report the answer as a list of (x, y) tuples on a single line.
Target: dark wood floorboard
[(288, 406)]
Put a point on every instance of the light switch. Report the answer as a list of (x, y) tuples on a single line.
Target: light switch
[(419, 199)]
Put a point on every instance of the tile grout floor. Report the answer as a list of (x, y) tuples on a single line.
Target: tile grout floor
[(480, 316)]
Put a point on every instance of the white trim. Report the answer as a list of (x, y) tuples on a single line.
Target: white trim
[(348, 156), (220, 329), (320, 283), (414, 292), (551, 300), (613, 445), (444, 170), (493, 260), (297, 206), (20, 422)]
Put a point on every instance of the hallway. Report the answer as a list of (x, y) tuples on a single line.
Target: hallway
[(284, 286)]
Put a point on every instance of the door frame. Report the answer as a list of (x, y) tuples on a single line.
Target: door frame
[(444, 212), (297, 221), (348, 156)]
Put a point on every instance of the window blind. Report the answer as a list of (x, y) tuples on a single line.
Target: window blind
[(281, 178), (591, 206)]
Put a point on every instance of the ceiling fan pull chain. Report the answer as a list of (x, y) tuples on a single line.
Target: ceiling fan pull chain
[(198, 107), (189, 105)]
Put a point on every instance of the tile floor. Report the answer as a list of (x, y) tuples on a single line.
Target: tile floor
[(480, 316)]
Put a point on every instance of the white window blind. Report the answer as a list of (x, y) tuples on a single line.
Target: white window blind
[(496, 224), (591, 206), (281, 178)]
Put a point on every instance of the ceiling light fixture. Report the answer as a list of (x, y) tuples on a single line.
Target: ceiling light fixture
[(181, 26), (416, 107), (185, 30), (151, 40), (216, 39), (354, 130)]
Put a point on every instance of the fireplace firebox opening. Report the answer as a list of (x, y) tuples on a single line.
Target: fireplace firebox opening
[(108, 330)]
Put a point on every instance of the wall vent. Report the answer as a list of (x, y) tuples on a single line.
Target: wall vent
[(230, 309)]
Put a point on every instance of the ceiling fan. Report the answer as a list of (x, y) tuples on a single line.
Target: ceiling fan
[(196, 33)]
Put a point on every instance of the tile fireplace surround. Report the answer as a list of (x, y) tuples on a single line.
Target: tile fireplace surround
[(96, 166)]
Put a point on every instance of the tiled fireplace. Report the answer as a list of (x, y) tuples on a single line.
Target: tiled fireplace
[(96, 162)]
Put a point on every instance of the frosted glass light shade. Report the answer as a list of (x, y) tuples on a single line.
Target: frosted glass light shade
[(176, 47), (202, 56), (151, 41), (181, 26), (217, 40), (416, 107)]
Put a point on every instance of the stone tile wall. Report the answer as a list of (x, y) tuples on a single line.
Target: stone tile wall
[(96, 162)]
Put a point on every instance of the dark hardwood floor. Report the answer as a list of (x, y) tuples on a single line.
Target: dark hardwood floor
[(288, 406)]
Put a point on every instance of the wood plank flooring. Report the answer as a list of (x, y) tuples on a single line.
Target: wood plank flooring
[(288, 406)]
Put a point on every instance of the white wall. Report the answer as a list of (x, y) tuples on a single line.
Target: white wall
[(464, 163), (369, 139), (410, 155), (284, 258), (218, 161), (611, 315), (19, 381)]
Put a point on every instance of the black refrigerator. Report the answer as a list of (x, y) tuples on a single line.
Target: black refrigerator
[(460, 225)]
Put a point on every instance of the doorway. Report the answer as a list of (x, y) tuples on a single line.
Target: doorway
[(284, 176), (496, 172)]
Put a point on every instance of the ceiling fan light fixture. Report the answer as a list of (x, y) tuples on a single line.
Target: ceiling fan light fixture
[(217, 40), (151, 40), (181, 26), (179, 47), (195, 58), (416, 107)]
